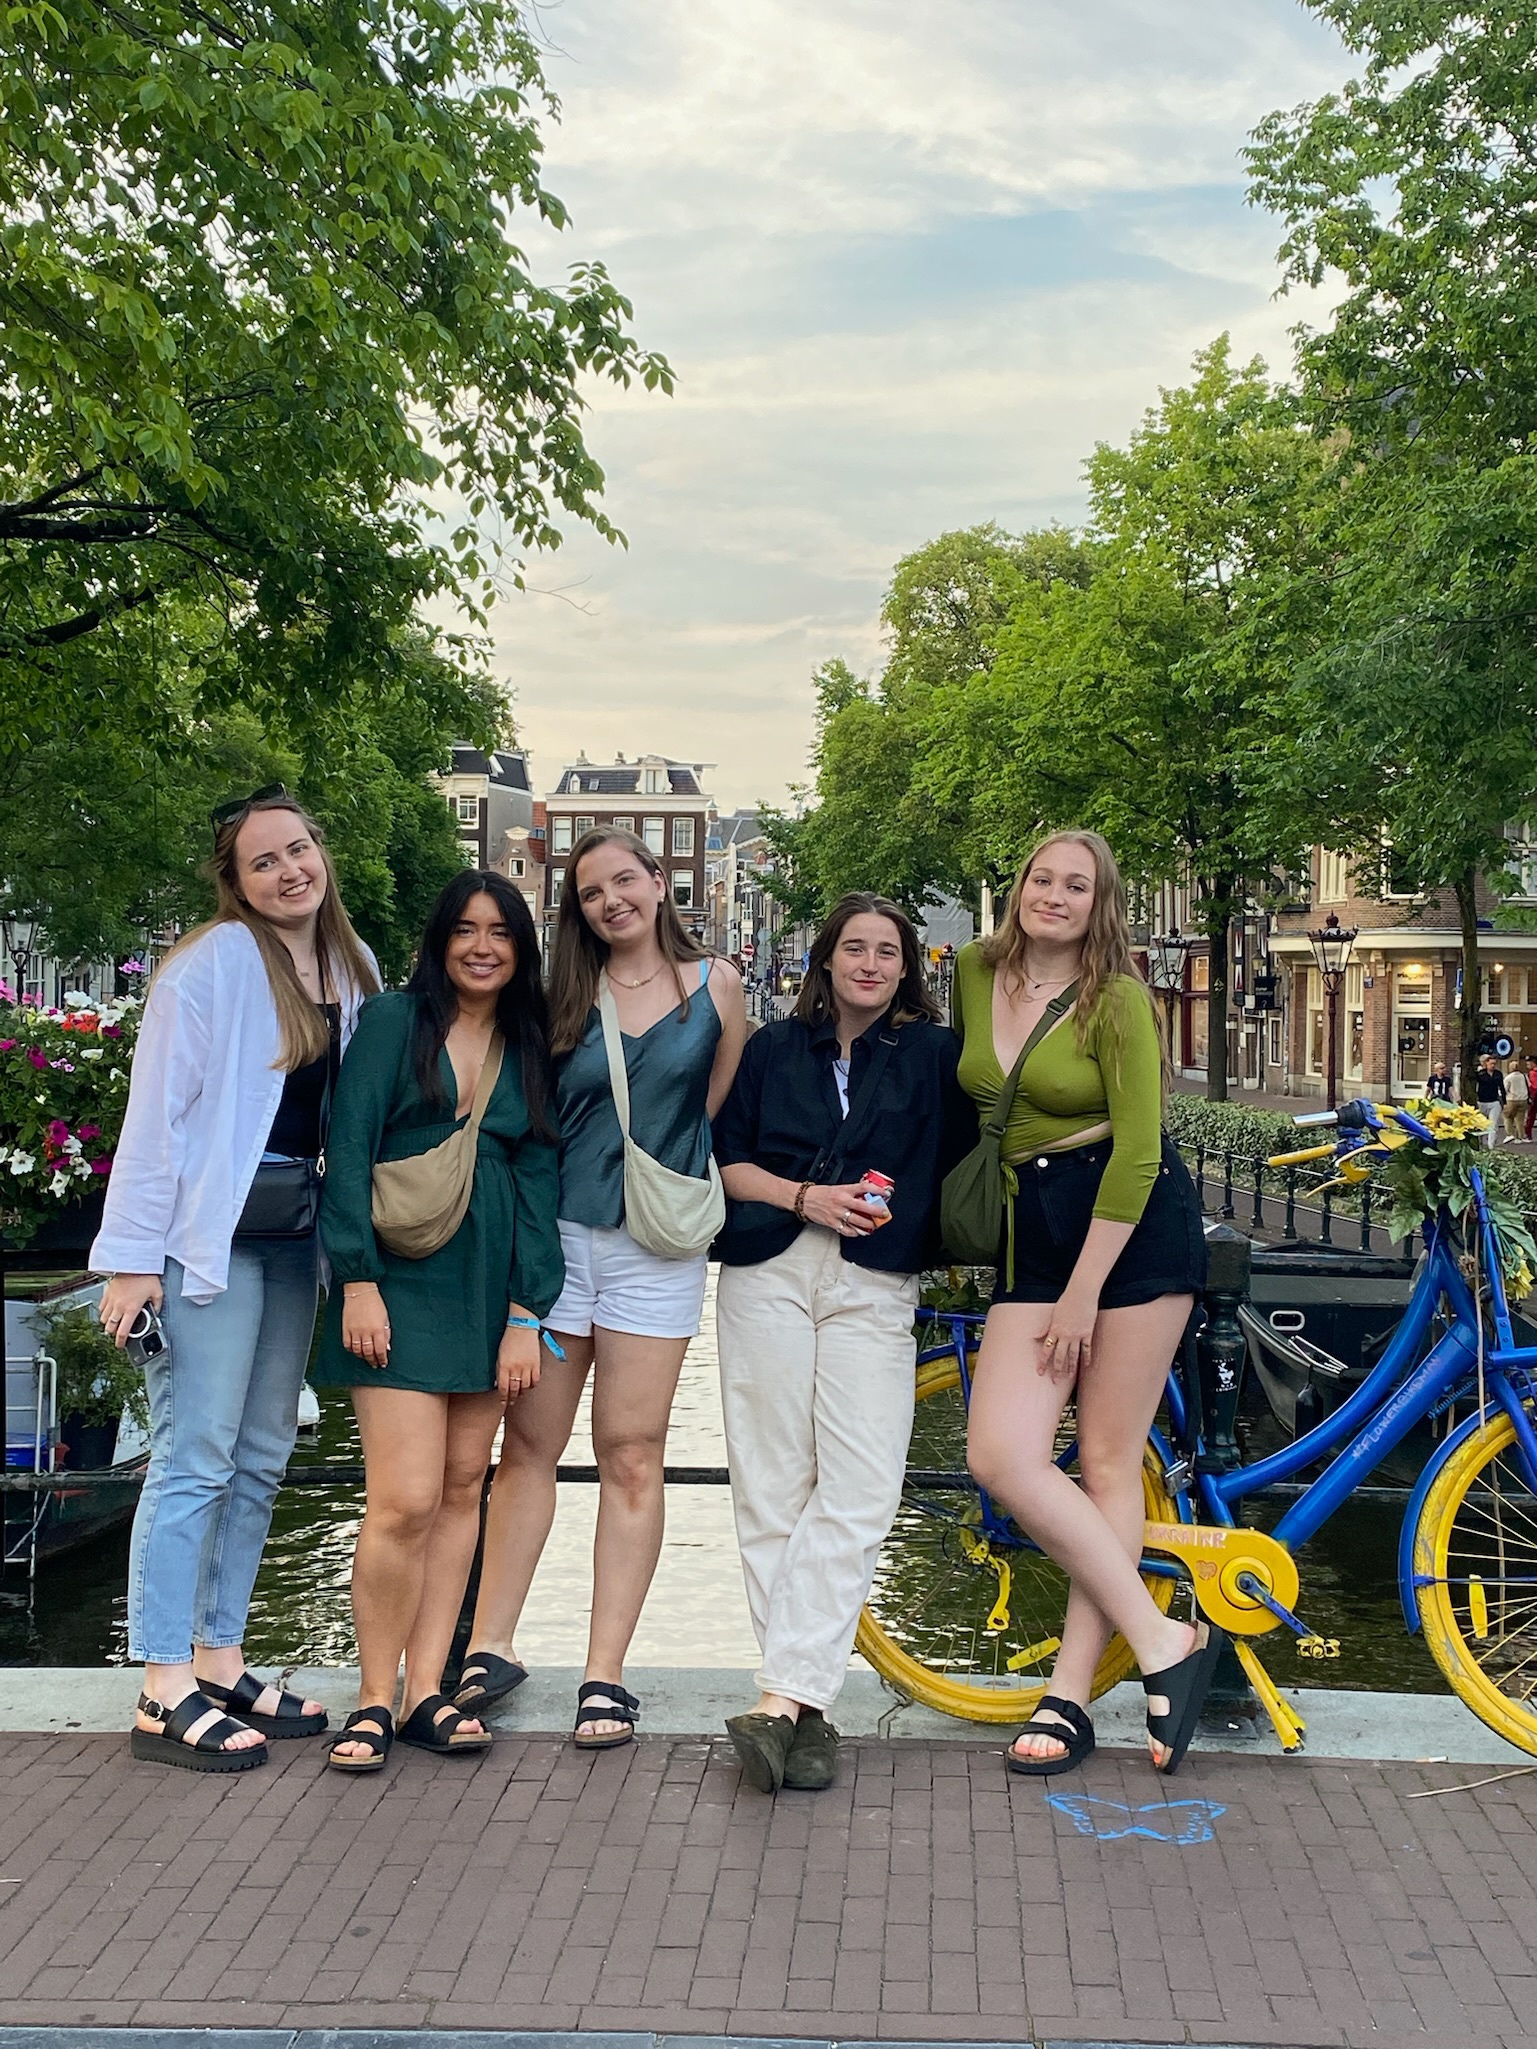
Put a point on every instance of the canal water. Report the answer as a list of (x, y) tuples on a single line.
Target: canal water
[(696, 1614)]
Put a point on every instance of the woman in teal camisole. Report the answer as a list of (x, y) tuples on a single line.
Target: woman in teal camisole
[(625, 1313)]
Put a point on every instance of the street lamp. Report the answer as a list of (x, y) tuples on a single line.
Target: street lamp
[(1166, 971), (19, 935), (1331, 945)]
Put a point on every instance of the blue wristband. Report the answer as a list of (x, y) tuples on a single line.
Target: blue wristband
[(533, 1323)]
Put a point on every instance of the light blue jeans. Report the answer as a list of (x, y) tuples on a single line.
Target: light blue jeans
[(223, 1415)]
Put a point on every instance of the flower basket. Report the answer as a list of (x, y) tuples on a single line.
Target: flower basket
[(1431, 1181), (63, 1093)]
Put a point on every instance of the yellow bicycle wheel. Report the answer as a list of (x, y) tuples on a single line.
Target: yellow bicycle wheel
[(961, 1621), (1475, 1566)]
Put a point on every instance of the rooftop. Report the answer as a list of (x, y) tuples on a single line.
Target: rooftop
[(506, 767), (621, 778)]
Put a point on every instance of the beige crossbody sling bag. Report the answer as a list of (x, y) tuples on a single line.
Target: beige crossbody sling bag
[(419, 1203), (670, 1214)]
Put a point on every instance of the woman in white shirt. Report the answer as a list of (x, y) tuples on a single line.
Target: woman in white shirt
[(209, 1220)]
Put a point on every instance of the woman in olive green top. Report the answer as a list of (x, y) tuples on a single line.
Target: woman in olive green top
[(434, 1348), (1101, 1259)]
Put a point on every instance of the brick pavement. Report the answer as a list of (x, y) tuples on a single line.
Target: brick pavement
[(926, 1897)]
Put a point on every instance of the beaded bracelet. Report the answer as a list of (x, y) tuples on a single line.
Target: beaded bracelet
[(800, 1200)]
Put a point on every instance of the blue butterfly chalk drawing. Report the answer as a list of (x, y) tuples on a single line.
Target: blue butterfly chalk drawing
[(1162, 1821)]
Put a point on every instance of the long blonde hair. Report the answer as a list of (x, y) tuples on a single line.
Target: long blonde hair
[(579, 956), (303, 1033), (1107, 957)]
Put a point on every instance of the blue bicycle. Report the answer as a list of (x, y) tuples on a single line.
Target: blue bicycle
[(965, 1614)]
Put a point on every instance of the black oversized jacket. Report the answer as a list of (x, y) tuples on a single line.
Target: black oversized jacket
[(783, 1114)]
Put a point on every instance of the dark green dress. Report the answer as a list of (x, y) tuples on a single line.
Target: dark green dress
[(448, 1311)]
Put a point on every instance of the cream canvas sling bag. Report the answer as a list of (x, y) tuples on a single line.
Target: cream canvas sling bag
[(419, 1203), (672, 1215)]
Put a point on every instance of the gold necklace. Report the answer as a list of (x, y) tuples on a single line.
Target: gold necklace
[(637, 985)]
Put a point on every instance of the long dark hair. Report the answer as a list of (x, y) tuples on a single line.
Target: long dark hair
[(912, 999), (521, 1016), (579, 956)]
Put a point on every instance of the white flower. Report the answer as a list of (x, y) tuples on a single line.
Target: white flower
[(20, 1162), (81, 1169), (92, 1052), (60, 1183), (77, 999), (113, 1074), (72, 1147)]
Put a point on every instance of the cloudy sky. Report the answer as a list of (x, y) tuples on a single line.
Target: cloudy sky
[(910, 259)]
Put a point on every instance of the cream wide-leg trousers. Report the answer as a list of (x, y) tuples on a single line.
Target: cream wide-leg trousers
[(817, 1374)]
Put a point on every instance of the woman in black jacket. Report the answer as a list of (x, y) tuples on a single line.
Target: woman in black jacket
[(821, 1254)]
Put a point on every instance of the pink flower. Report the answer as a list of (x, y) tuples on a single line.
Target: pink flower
[(102, 1166), (112, 1031), (87, 1132), (38, 1057), (58, 1131), (64, 1066), (6, 1045)]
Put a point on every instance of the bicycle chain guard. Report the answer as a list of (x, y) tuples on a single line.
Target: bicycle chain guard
[(1217, 1559)]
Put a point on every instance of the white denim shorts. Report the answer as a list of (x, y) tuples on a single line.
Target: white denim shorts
[(612, 1281)]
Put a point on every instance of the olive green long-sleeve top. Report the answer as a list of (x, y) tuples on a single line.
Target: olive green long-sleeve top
[(447, 1312), (1063, 1090)]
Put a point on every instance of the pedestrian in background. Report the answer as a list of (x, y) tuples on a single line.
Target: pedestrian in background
[(1489, 1091), (818, 1288), (1516, 1098), (210, 1218), (1101, 1258), (631, 994), (452, 1072), (1439, 1086)]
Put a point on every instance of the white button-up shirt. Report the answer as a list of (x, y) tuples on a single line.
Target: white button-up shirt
[(201, 1101)]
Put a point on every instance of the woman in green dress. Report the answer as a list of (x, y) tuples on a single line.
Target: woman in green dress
[(434, 1348)]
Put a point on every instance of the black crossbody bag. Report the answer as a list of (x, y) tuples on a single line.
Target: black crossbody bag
[(284, 1199)]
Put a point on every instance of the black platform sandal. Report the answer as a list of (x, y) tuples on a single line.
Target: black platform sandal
[(486, 1678), (429, 1728), (624, 1707), (1077, 1737), (168, 1745), (290, 1719), (1185, 1687), (378, 1740)]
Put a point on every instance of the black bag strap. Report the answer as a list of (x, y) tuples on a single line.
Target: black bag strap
[(998, 1119), (821, 1171), (333, 1068)]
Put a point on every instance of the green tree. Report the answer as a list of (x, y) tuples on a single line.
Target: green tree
[(1418, 185), (1151, 701), (879, 820), (263, 324)]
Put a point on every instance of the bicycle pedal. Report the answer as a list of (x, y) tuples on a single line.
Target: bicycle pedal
[(1318, 1647)]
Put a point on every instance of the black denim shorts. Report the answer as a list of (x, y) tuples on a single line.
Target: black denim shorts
[(1165, 1254)]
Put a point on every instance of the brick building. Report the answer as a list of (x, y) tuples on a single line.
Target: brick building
[(1397, 1014), (663, 802)]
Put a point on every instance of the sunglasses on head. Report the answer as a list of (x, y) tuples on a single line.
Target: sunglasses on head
[(236, 807)]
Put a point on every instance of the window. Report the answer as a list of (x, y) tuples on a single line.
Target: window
[(623, 824), (560, 835), (469, 853), (656, 782), (1522, 865), (469, 810), (1398, 881), (656, 835), (515, 865), (556, 879), (683, 835), (580, 825), (1333, 877), (532, 901), (683, 889)]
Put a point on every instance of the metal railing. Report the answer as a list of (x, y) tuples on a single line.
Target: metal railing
[(1244, 1188)]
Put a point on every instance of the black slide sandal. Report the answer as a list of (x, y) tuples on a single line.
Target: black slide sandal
[(1078, 1737), (1185, 1687), (485, 1679), (290, 1719), (378, 1740), (423, 1728), (205, 1755), (619, 1707)]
